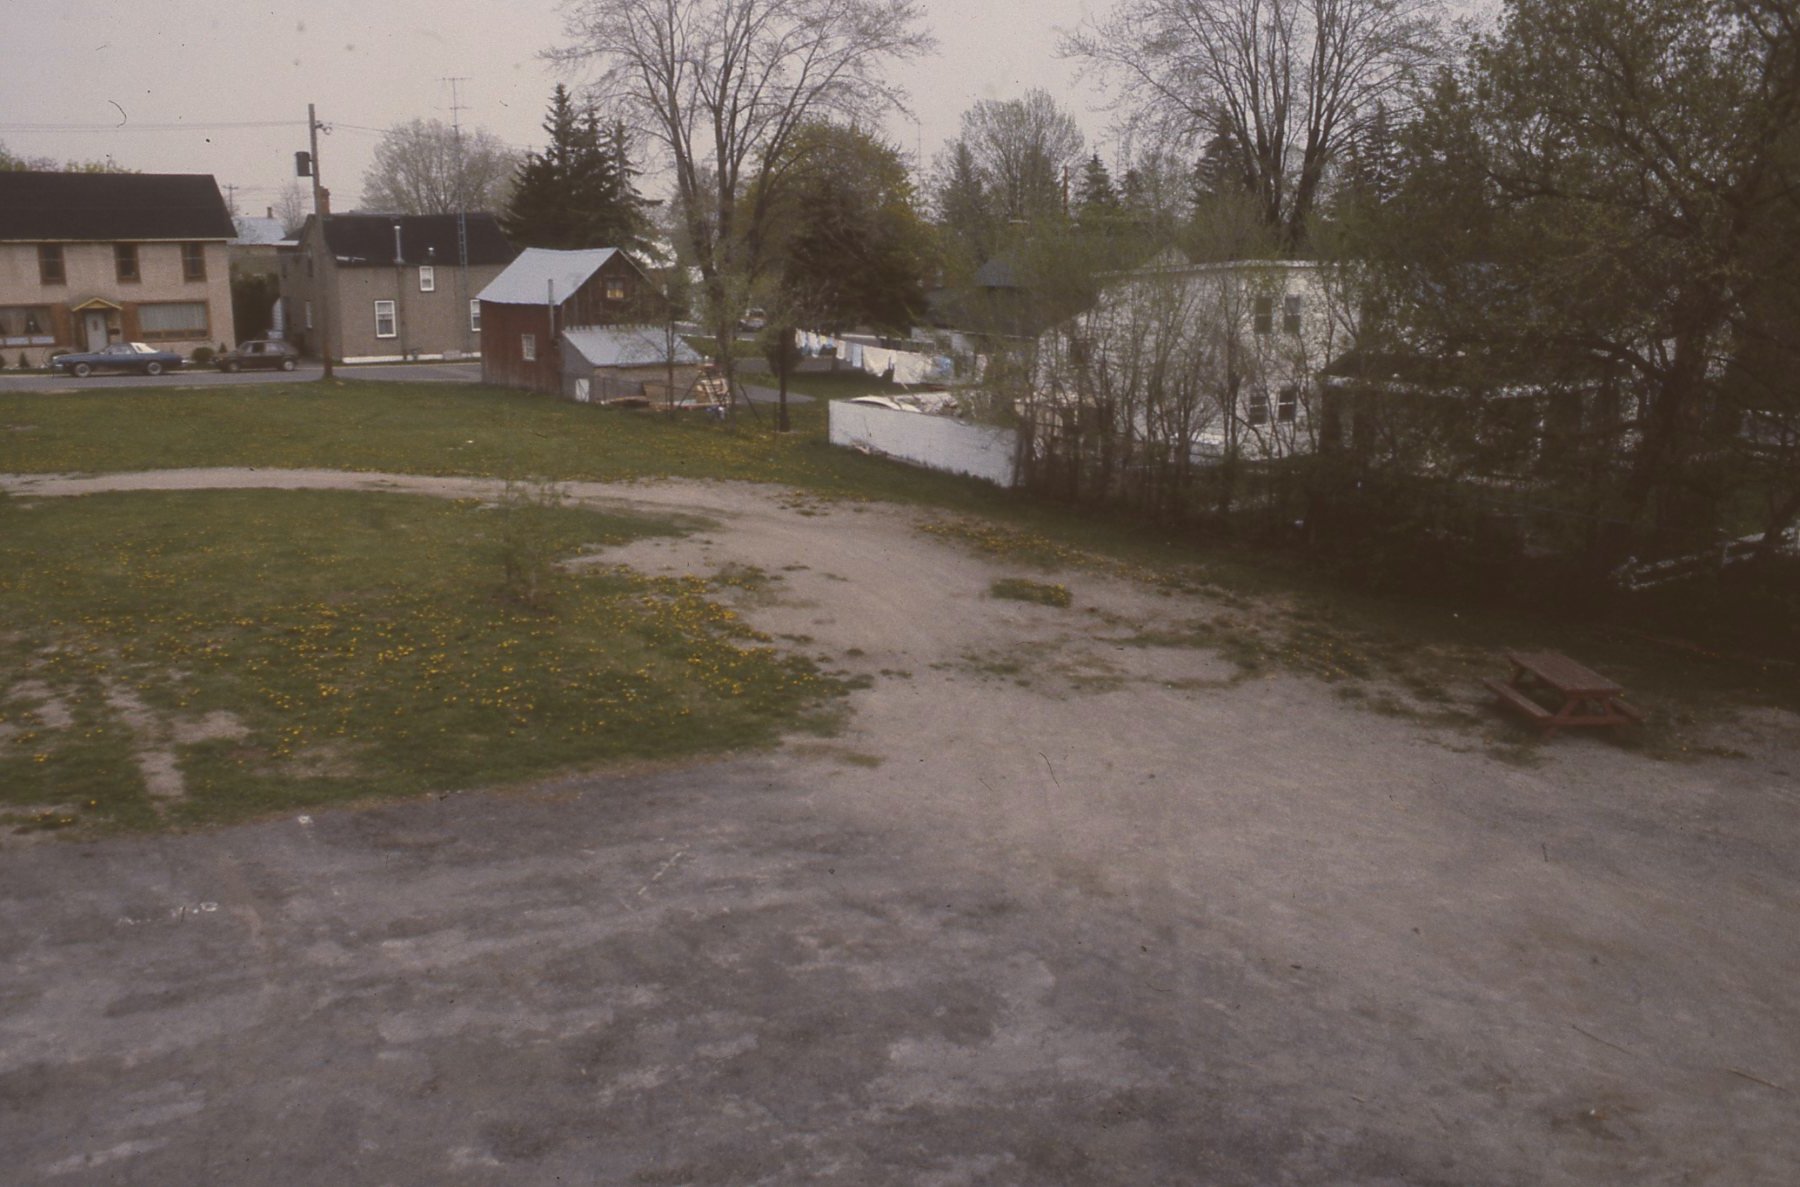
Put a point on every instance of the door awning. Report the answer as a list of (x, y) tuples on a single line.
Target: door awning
[(96, 303)]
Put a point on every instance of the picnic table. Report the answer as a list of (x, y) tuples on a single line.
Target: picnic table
[(1588, 698)]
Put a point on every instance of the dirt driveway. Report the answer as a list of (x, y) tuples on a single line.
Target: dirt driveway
[(1054, 908)]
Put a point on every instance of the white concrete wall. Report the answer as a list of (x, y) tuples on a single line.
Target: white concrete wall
[(935, 442)]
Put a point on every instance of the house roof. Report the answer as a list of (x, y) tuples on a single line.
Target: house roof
[(997, 273), (259, 232), (112, 206), (528, 278), (627, 346), (368, 239)]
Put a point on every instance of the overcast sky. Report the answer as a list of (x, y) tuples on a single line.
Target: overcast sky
[(175, 86)]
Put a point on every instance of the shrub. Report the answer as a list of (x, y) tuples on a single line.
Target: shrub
[(202, 355)]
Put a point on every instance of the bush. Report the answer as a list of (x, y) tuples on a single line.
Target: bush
[(202, 355)]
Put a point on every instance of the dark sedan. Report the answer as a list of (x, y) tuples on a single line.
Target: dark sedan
[(120, 356), (259, 352)]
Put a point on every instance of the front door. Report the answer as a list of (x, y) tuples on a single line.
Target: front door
[(94, 321)]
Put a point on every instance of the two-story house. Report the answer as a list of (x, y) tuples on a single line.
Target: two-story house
[(396, 286), (87, 259)]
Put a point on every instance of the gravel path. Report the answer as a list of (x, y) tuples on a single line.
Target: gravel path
[(1051, 909)]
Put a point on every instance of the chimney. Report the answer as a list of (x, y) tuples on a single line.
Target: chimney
[(324, 201), (269, 212)]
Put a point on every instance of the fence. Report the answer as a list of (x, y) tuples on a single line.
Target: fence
[(935, 442)]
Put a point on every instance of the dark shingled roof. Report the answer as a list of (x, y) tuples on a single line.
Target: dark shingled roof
[(73, 206), (424, 239)]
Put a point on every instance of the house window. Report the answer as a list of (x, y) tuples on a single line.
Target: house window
[(25, 325), (384, 319), (1263, 315), (1258, 412), (193, 261), (174, 319), (475, 317), (427, 279), (309, 315), (1290, 315), (615, 288), (528, 347), (50, 264), (1287, 403), (125, 260)]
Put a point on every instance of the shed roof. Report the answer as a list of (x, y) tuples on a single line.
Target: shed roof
[(368, 239), (527, 279), (112, 206), (628, 346)]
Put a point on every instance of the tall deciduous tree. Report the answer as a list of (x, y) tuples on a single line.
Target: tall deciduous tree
[(578, 192), (724, 87), (856, 250), (1021, 149), (1278, 85), (1611, 182), (427, 167)]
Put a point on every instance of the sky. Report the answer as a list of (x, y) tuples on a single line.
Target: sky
[(221, 86)]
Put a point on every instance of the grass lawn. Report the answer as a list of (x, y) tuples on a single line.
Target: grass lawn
[(444, 429), (278, 649)]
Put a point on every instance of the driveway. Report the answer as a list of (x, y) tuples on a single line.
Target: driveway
[(1053, 908)]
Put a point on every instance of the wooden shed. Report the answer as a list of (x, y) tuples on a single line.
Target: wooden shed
[(542, 293), (602, 364)]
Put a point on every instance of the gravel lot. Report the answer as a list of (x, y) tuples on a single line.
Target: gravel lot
[(1051, 909)]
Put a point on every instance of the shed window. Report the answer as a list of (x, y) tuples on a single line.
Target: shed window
[(50, 264), (528, 347), (384, 320), (615, 288)]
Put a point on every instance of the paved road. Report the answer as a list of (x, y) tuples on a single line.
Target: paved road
[(469, 372)]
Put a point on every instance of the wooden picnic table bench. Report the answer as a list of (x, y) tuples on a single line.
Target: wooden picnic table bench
[(1588, 698)]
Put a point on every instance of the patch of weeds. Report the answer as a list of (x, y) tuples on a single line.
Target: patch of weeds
[(897, 673), (529, 545), (843, 754), (856, 653), (998, 664), (750, 578), (1020, 589), (1351, 692)]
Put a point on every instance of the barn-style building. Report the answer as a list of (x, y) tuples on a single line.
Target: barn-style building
[(526, 308)]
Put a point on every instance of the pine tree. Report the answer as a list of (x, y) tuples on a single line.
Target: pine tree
[(1096, 201), (579, 192)]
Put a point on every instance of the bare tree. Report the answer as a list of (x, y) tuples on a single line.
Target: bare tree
[(724, 86), (427, 167), (292, 205), (1277, 85), (1021, 148)]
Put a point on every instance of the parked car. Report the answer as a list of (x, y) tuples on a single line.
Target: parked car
[(753, 321), (271, 353), (120, 356)]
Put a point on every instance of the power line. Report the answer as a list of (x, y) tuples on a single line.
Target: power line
[(183, 126)]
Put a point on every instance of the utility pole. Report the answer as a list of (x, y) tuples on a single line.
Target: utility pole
[(462, 216), (321, 252)]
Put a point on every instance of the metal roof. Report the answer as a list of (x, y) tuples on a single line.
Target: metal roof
[(627, 346), (528, 279)]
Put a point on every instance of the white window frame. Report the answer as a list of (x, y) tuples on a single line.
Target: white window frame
[(528, 347), (474, 315), (1287, 403), (309, 324), (392, 318), (1262, 314), (1290, 314), (1256, 412), (427, 278)]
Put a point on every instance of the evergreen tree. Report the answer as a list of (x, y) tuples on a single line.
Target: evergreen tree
[(1095, 199), (579, 192)]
